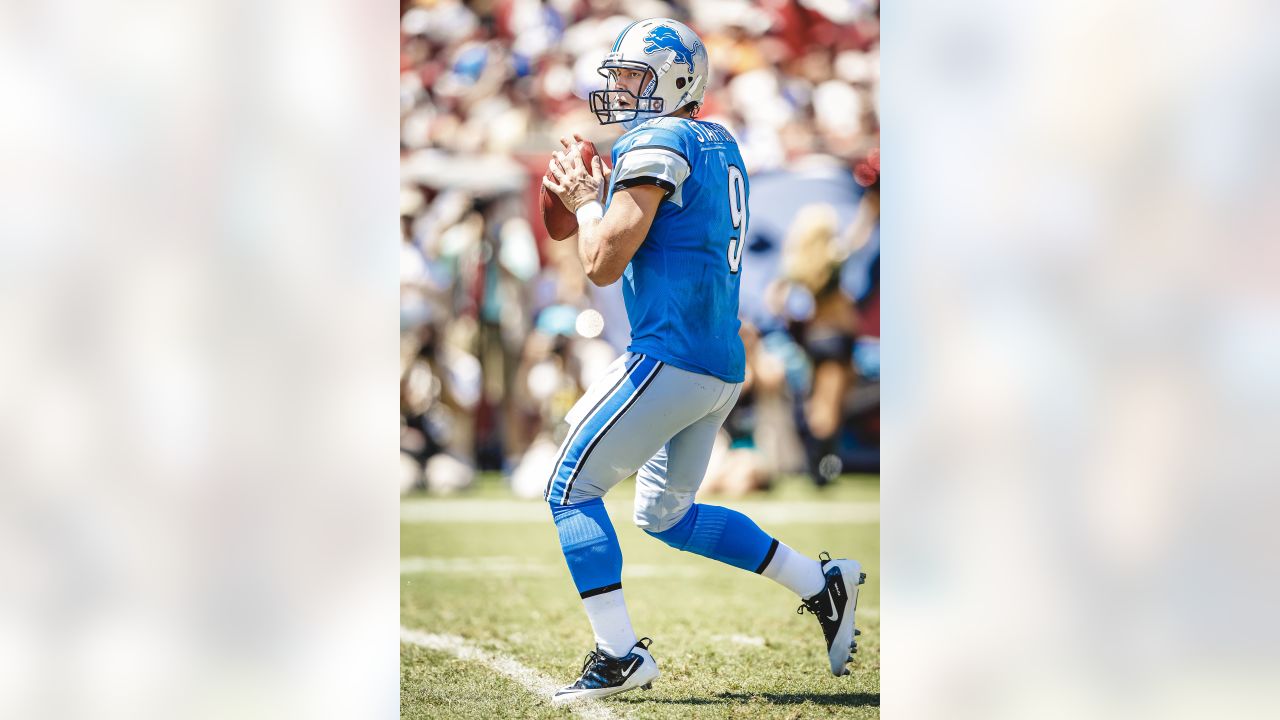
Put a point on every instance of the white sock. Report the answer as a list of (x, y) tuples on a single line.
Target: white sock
[(799, 574), (610, 622)]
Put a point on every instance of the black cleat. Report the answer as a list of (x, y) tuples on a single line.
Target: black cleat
[(834, 608), (604, 675)]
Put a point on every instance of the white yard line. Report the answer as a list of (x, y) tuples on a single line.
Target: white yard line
[(535, 682), (478, 566), (521, 567), (534, 511)]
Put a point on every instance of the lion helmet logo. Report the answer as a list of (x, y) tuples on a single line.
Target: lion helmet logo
[(664, 37)]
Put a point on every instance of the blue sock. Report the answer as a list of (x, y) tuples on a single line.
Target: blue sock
[(721, 534), (590, 546)]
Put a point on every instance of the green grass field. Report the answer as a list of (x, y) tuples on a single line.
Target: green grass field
[(483, 576)]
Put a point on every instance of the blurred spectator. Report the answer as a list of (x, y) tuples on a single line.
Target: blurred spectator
[(500, 330), (757, 439)]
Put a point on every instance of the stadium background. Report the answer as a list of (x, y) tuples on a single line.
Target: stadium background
[(501, 331)]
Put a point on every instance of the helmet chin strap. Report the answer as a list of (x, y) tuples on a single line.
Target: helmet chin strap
[(693, 87), (644, 110), (634, 122)]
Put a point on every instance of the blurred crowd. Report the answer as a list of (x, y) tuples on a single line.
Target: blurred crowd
[(500, 330)]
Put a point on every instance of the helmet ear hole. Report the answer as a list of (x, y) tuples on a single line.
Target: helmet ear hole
[(680, 83)]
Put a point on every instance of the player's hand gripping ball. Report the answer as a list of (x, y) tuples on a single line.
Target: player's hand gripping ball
[(558, 219)]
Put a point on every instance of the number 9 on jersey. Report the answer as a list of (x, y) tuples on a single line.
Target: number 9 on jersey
[(737, 214)]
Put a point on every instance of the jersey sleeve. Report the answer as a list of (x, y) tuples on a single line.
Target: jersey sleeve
[(653, 156)]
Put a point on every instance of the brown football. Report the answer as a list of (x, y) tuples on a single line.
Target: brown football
[(561, 223)]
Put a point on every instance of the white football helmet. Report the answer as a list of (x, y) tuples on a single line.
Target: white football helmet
[(676, 72)]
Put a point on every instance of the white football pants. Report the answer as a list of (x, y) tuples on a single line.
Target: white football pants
[(648, 416)]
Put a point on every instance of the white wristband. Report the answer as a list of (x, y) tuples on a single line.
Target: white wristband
[(591, 211)]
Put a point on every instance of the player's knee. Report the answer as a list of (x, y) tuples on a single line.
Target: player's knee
[(582, 524), (583, 490), (656, 516)]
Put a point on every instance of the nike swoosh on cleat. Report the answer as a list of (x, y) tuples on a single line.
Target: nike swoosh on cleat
[(634, 664), (834, 612)]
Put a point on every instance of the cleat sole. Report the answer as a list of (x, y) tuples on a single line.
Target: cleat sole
[(647, 686)]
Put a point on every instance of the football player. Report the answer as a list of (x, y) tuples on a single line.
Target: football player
[(672, 226)]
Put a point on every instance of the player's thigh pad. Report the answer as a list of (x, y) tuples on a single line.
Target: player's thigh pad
[(667, 484), (627, 416)]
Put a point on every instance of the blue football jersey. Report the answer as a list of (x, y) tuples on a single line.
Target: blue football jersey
[(681, 287)]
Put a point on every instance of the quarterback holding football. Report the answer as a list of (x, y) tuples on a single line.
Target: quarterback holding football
[(670, 221)]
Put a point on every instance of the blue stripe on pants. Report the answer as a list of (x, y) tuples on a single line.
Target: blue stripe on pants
[(594, 427)]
